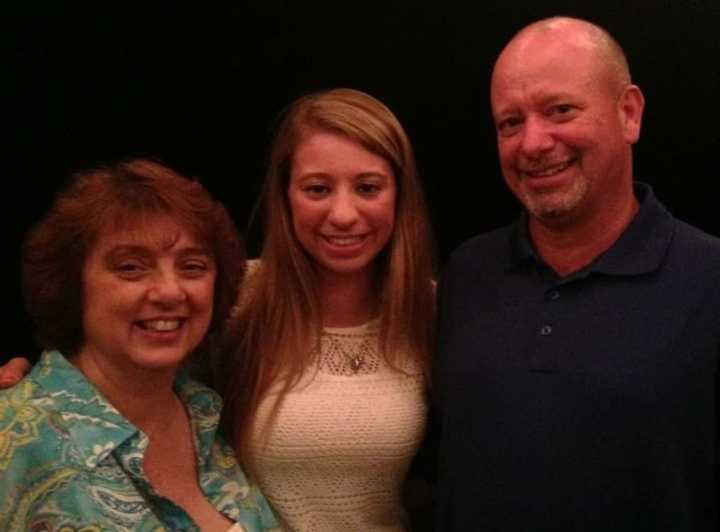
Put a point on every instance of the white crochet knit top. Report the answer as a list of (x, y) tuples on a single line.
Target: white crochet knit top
[(340, 447)]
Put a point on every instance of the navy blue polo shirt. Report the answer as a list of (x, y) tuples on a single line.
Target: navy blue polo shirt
[(588, 402)]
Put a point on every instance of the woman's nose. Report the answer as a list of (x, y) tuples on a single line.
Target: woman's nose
[(167, 288), (343, 211)]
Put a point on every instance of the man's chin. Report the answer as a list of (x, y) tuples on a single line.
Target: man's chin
[(555, 206), (551, 211)]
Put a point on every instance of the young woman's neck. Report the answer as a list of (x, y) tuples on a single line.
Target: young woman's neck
[(348, 300)]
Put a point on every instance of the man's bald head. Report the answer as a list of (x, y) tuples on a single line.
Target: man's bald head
[(566, 116), (572, 31)]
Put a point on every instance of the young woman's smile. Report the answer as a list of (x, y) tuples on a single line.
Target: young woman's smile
[(342, 199)]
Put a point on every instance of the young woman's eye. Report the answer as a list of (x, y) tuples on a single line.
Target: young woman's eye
[(368, 189), (316, 190)]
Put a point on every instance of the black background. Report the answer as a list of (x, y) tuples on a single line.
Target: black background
[(200, 89)]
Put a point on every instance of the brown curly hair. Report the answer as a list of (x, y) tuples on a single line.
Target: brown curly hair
[(108, 197)]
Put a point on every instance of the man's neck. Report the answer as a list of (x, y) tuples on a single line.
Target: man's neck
[(569, 247)]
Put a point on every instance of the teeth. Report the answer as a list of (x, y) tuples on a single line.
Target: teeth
[(344, 240), (161, 325), (549, 171)]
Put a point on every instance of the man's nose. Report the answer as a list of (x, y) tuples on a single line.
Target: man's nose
[(537, 137)]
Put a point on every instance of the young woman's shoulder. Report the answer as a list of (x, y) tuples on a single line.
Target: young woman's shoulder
[(252, 267)]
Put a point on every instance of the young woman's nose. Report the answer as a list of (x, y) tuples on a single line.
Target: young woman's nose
[(343, 210)]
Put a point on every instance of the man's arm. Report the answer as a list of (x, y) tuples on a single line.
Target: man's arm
[(13, 371)]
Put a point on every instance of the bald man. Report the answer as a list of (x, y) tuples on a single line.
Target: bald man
[(578, 353)]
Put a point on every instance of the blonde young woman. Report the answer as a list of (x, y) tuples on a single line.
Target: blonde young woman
[(325, 386)]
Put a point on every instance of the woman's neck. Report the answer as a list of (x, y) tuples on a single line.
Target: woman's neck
[(144, 397), (348, 300)]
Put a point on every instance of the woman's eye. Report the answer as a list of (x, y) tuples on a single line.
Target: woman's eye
[(129, 269), (195, 268), (368, 189), (316, 190)]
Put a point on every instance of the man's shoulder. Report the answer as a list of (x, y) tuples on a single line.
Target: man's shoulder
[(697, 250), (695, 238), (684, 237), (488, 246)]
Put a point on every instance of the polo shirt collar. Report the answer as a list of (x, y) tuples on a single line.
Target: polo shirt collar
[(640, 249)]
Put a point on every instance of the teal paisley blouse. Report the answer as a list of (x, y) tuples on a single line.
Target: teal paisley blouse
[(70, 462)]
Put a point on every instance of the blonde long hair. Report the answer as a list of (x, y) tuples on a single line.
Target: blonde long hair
[(274, 334)]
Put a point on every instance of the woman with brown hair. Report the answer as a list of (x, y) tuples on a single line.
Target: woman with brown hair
[(326, 380), (132, 270)]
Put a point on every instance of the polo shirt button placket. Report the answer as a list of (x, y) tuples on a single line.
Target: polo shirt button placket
[(550, 295)]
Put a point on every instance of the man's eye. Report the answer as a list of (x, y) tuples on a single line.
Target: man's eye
[(562, 110), (509, 126)]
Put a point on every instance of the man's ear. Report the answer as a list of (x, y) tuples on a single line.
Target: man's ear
[(630, 107)]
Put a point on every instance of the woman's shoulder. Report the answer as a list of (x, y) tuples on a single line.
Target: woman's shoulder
[(252, 267), (252, 274)]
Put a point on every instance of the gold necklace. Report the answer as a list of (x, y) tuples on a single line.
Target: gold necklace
[(343, 355), (356, 361)]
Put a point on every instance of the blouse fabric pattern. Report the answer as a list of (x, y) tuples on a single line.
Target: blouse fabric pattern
[(337, 453), (69, 461)]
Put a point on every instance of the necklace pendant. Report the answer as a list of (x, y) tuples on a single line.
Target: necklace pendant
[(356, 363)]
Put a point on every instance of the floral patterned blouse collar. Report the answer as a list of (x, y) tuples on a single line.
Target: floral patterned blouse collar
[(95, 426), (79, 400)]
